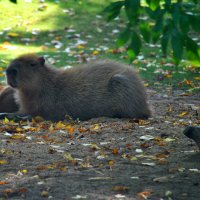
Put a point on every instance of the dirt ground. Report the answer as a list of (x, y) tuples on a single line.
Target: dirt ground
[(104, 158)]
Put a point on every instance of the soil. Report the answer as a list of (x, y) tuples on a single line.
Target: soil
[(104, 158)]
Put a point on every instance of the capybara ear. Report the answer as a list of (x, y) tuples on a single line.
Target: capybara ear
[(41, 60)]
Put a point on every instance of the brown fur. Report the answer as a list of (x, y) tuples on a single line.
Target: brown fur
[(7, 101), (97, 89)]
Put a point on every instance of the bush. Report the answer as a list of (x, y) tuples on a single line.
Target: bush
[(170, 22)]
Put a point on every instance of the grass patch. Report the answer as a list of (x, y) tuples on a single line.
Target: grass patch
[(73, 31)]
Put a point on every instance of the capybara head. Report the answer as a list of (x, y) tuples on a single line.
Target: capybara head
[(24, 71)]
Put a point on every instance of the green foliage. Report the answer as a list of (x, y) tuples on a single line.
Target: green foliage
[(170, 22), (13, 1), (113, 10)]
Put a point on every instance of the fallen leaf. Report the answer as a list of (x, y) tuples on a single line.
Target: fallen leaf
[(95, 52), (11, 34), (148, 164), (120, 188), (115, 151), (183, 114), (69, 158), (44, 194), (3, 183), (169, 139), (147, 137), (94, 147), (111, 163), (3, 162), (95, 127), (82, 129), (170, 108), (144, 195), (18, 137), (99, 178), (70, 129)]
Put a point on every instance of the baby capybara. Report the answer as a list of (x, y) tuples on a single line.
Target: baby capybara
[(7, 100)]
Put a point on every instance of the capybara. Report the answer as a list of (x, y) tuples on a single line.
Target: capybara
[(97, 89), (7, 101)]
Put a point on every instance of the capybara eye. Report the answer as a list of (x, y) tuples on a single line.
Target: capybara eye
[(33, 64)]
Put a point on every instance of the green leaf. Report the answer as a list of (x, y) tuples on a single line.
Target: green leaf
[(164, 42), (157, 29), (192, 49), (176, 12), (153, 4), (167, 5), (184, 23), (145, 31), (168, 2), (132, 8), (155, 36), (177, 46), (113, 10), (194, 21), (131, 54), (150, 12), (135, 46), (159, 20), (124, 37), (167, 31), (13, 1)]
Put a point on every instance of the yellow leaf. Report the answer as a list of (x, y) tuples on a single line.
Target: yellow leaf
[(70, 129), (51, 128), (18, 129), (6, 43), (5, 121), (95, 52), (45, 167), (168, 76), (18, 137), (60, 125), (95, 127), (3, 162), (24, 171), (94, 147), (133, 158), (11, 34), (170, 108), (32, 129), (111, 163), (69, 158), (197, 78), (183, 114), (80, 46)]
